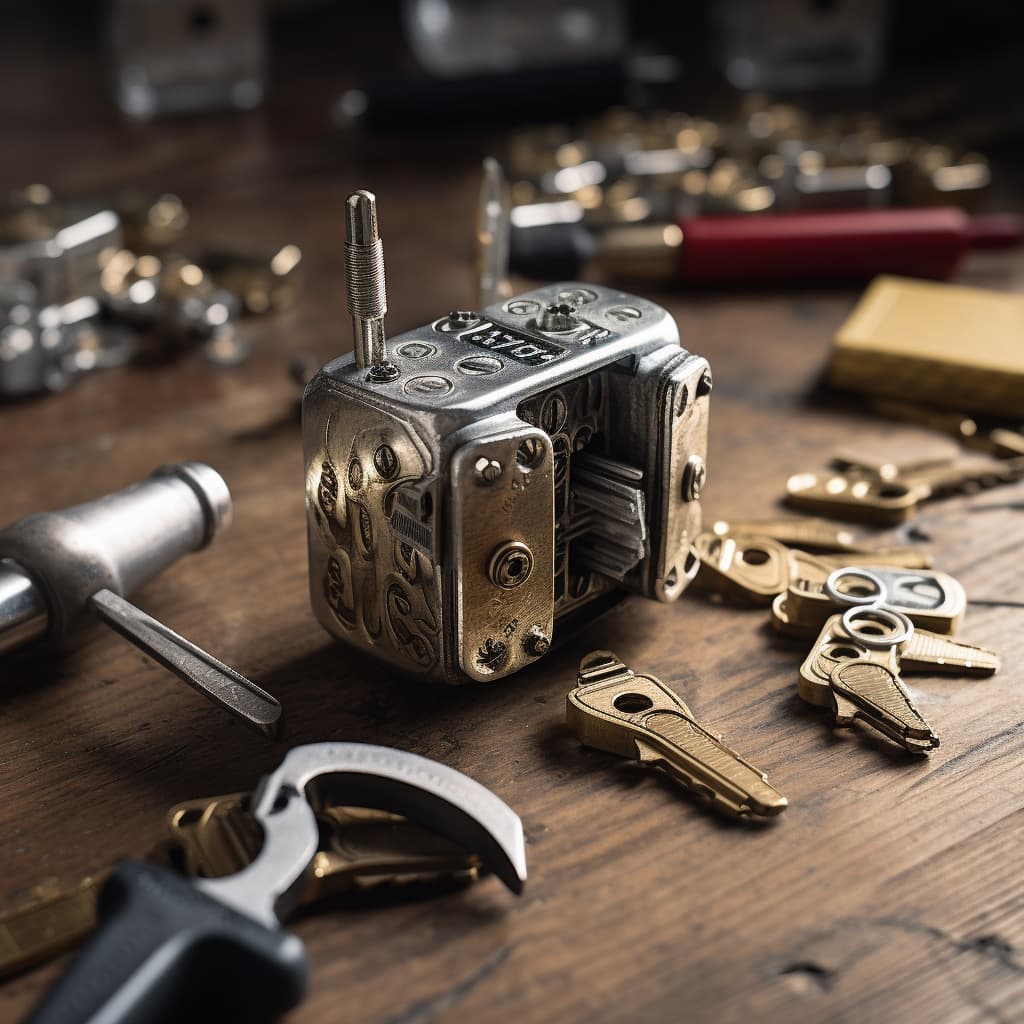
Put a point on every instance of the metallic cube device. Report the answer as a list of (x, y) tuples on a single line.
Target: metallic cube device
[(499, 473)]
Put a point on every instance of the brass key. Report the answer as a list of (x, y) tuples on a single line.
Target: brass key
[(854, 669), (751, 569), (363, 849), (637, 716), (931, 599), (864, 497)]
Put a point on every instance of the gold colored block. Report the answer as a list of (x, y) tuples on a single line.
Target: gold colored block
[(939, 343)]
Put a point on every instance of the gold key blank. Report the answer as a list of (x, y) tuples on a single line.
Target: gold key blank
[(637, 716)]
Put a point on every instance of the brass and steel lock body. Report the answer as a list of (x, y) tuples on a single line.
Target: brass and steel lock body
[(497, 473)]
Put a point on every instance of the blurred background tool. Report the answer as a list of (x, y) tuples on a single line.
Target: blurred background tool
[(802, 248), (58, 569)]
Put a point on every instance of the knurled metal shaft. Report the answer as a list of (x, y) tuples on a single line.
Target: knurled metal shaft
[(364, 266)]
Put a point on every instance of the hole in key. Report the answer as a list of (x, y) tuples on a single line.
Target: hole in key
[(892, 491), (754, 556), (844, 652), (631, 703)]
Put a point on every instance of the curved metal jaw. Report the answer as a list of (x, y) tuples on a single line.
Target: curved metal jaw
[(426, 792)]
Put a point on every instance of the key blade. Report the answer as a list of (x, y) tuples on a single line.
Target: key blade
[(796, 531), (880, 699), (215, 680), (926, 651), (361, 848), (637, 716)]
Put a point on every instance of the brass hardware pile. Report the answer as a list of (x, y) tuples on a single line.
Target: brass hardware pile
[(876, 613), (626, 167), (86, 286)]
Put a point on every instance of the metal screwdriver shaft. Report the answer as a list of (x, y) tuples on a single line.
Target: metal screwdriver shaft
[(62, 567), (367, 293)]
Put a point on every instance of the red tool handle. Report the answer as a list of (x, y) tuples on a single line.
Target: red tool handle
[(821, 246)]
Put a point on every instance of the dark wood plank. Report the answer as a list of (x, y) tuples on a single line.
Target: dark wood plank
[(888, 890)]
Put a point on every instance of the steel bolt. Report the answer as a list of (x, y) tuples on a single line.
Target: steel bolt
[(511, 565), (459, 319), (694, 476), (558, 317), (536, 642), (487, 470)]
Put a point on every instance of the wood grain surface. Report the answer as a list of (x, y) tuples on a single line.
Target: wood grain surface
[(889, 890)]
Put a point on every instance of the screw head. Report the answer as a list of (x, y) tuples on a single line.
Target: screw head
[(536, 642), (694, 476), (382, 373), (460, 319), (491, 656), (487, 470), (511, 565), (558, 317)]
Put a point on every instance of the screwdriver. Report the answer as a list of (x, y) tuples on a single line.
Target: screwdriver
[(816, 247), (60, 568)]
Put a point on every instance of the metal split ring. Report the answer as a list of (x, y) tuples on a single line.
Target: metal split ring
[(880, 596), (901, 629)]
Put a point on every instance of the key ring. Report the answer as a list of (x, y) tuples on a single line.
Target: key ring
[(900, 628), (880, 595)]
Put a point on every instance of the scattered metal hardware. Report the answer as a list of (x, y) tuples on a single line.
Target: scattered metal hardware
[(484, 477), (264, 279), (637, 716), (362, 852), (58, 569), (151, 225), (84, 287), (629, 167), (177, 57), (150, 915)]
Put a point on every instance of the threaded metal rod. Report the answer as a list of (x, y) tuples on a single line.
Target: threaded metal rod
[(364, 266)]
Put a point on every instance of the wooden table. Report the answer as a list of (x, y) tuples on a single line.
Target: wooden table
[(890, 888)]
